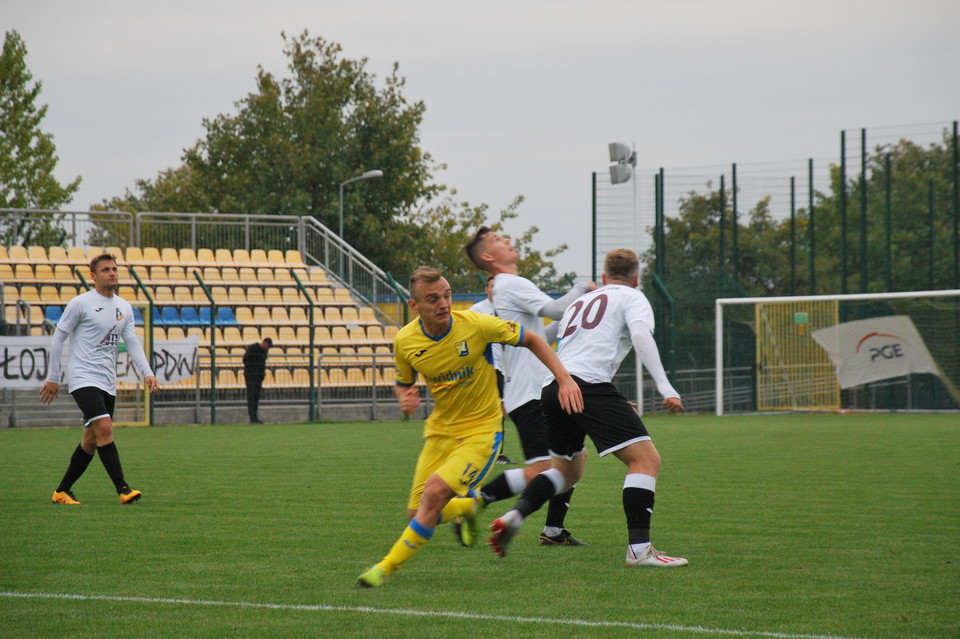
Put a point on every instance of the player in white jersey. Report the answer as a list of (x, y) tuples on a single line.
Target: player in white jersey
[(517, 299), (596, 333), (96, 320)]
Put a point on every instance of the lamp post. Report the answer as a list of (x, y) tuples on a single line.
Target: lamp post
[(376, 173), (366, 175)]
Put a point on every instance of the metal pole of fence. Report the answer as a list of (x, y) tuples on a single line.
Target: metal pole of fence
[(723, 207), (843, 212), (147, 336), (793, 235), (733, 228), (888, 222), (813, 227), (593, 225), (931, 234), (310, 366), (213, 347), (956, 208), (863, 211)]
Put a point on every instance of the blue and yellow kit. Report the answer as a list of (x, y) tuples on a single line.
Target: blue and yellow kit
[(458, 369)]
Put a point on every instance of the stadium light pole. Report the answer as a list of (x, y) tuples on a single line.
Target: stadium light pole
[(366, 175)]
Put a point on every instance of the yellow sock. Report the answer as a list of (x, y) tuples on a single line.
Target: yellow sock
[(457, 507), (413, 539)]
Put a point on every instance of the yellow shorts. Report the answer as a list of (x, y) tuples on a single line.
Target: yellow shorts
[(462, 462)]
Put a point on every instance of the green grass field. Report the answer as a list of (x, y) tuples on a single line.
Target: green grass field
[(795, 526)]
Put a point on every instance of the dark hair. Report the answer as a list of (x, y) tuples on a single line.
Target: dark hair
[(473, 247), (621, 264), (268, 341), (103, 257), (423, 275)]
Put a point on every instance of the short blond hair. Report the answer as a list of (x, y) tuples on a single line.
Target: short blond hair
[(423, 275), (621, 264)]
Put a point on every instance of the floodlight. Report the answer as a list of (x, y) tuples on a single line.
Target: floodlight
[(620, 173), (619, 152)]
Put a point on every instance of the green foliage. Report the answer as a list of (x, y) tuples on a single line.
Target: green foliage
[(292, 143), (27, 154), (285, 517), (446, 226)]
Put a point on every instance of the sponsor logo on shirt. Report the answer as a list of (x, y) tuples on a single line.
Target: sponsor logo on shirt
[(462, 349), (119, 315)]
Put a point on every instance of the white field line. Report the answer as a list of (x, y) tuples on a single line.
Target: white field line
[(422, 613)]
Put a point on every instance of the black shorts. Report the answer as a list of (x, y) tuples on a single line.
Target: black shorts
[(532, 428), (94, 403), (607, 418)]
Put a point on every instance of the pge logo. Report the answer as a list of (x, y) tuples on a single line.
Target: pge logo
[(887, 351)]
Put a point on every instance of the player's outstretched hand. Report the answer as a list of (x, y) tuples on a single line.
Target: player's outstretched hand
[(673, 404), (152, 384), (49, 392), (409, 399)]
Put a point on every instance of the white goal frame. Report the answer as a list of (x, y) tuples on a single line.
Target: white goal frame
[(728, 301)]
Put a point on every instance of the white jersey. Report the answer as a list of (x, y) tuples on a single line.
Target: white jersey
[(485, 306), (595, 332), (96, 324), (517, 299)]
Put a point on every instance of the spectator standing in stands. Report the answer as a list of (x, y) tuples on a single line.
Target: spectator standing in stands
[(96, 320), (254, 370)]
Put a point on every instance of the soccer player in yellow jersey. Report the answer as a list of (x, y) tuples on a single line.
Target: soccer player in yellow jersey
[(463, 434)]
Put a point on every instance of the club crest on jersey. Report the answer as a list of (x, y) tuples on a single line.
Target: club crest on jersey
[(119, 315), (462, 349)]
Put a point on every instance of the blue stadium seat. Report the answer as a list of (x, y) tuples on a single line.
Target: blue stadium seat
[(188, 316), (169, 316), (157, 321), (138, 316), (52, 313), (204, 316), (225, 316)]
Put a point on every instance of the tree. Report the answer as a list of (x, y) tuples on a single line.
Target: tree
[(447, 226), (27, 154), (295, 140)]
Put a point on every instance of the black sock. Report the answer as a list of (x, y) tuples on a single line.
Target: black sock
[(111, 461), (559, 505), (496, 490), (638, 506), (78, 463), (535, 495)]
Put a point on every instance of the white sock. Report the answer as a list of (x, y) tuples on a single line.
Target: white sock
[(639, 549), (552, 531)]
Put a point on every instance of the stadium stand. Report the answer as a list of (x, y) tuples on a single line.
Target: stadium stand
[(255, 295)]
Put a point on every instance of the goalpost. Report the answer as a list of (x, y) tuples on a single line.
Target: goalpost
[(793, 370)]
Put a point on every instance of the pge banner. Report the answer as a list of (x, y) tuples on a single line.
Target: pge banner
[(25, 361), (868, 350)]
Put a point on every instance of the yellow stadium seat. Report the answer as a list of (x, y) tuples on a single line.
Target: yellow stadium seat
[(6, 273), (350, 316), (375, 334), (223, 257), (358, 336), (301, 273), (170, 256), (387, 376), (244, 315), (37, 254), (49, 294), (134, 255), (29, 293), (95, 251), (342, 296), (292, 295), (67, 293), (175, 332), (219, 294), (255, 295), (117, 253), (282, 378), (283, 275), (188, 257), (367, 316), (162, 294), (241, 257), (269, 331), (57, 255), (301, 378), (226, 379), (261, 315), (205, 257), (247, 274), (318, 275), (272, 294), (390, 332), (276, 257), (199, 296), (266, 276), (258, 257), (293, 257), (231, 335), (303, 334), (339, 335), (332, 315), (278, 315), (64, 273), (199, 332), (238, 294), (4, 255), (287, 335), (183, 294), (210, 274), (18, 254), (251, 334), (151, 255), (229, 274), (176, 274), (158, 274), (23, 273), (324, 295), (298, 315)]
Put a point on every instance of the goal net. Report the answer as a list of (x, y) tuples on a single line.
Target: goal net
[(884, 351)]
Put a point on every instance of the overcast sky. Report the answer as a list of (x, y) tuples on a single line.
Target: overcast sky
[(522, 97)]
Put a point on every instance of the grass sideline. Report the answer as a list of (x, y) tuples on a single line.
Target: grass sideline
[(795, 526)]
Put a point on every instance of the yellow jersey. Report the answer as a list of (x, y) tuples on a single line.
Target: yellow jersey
[(458, 369)]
